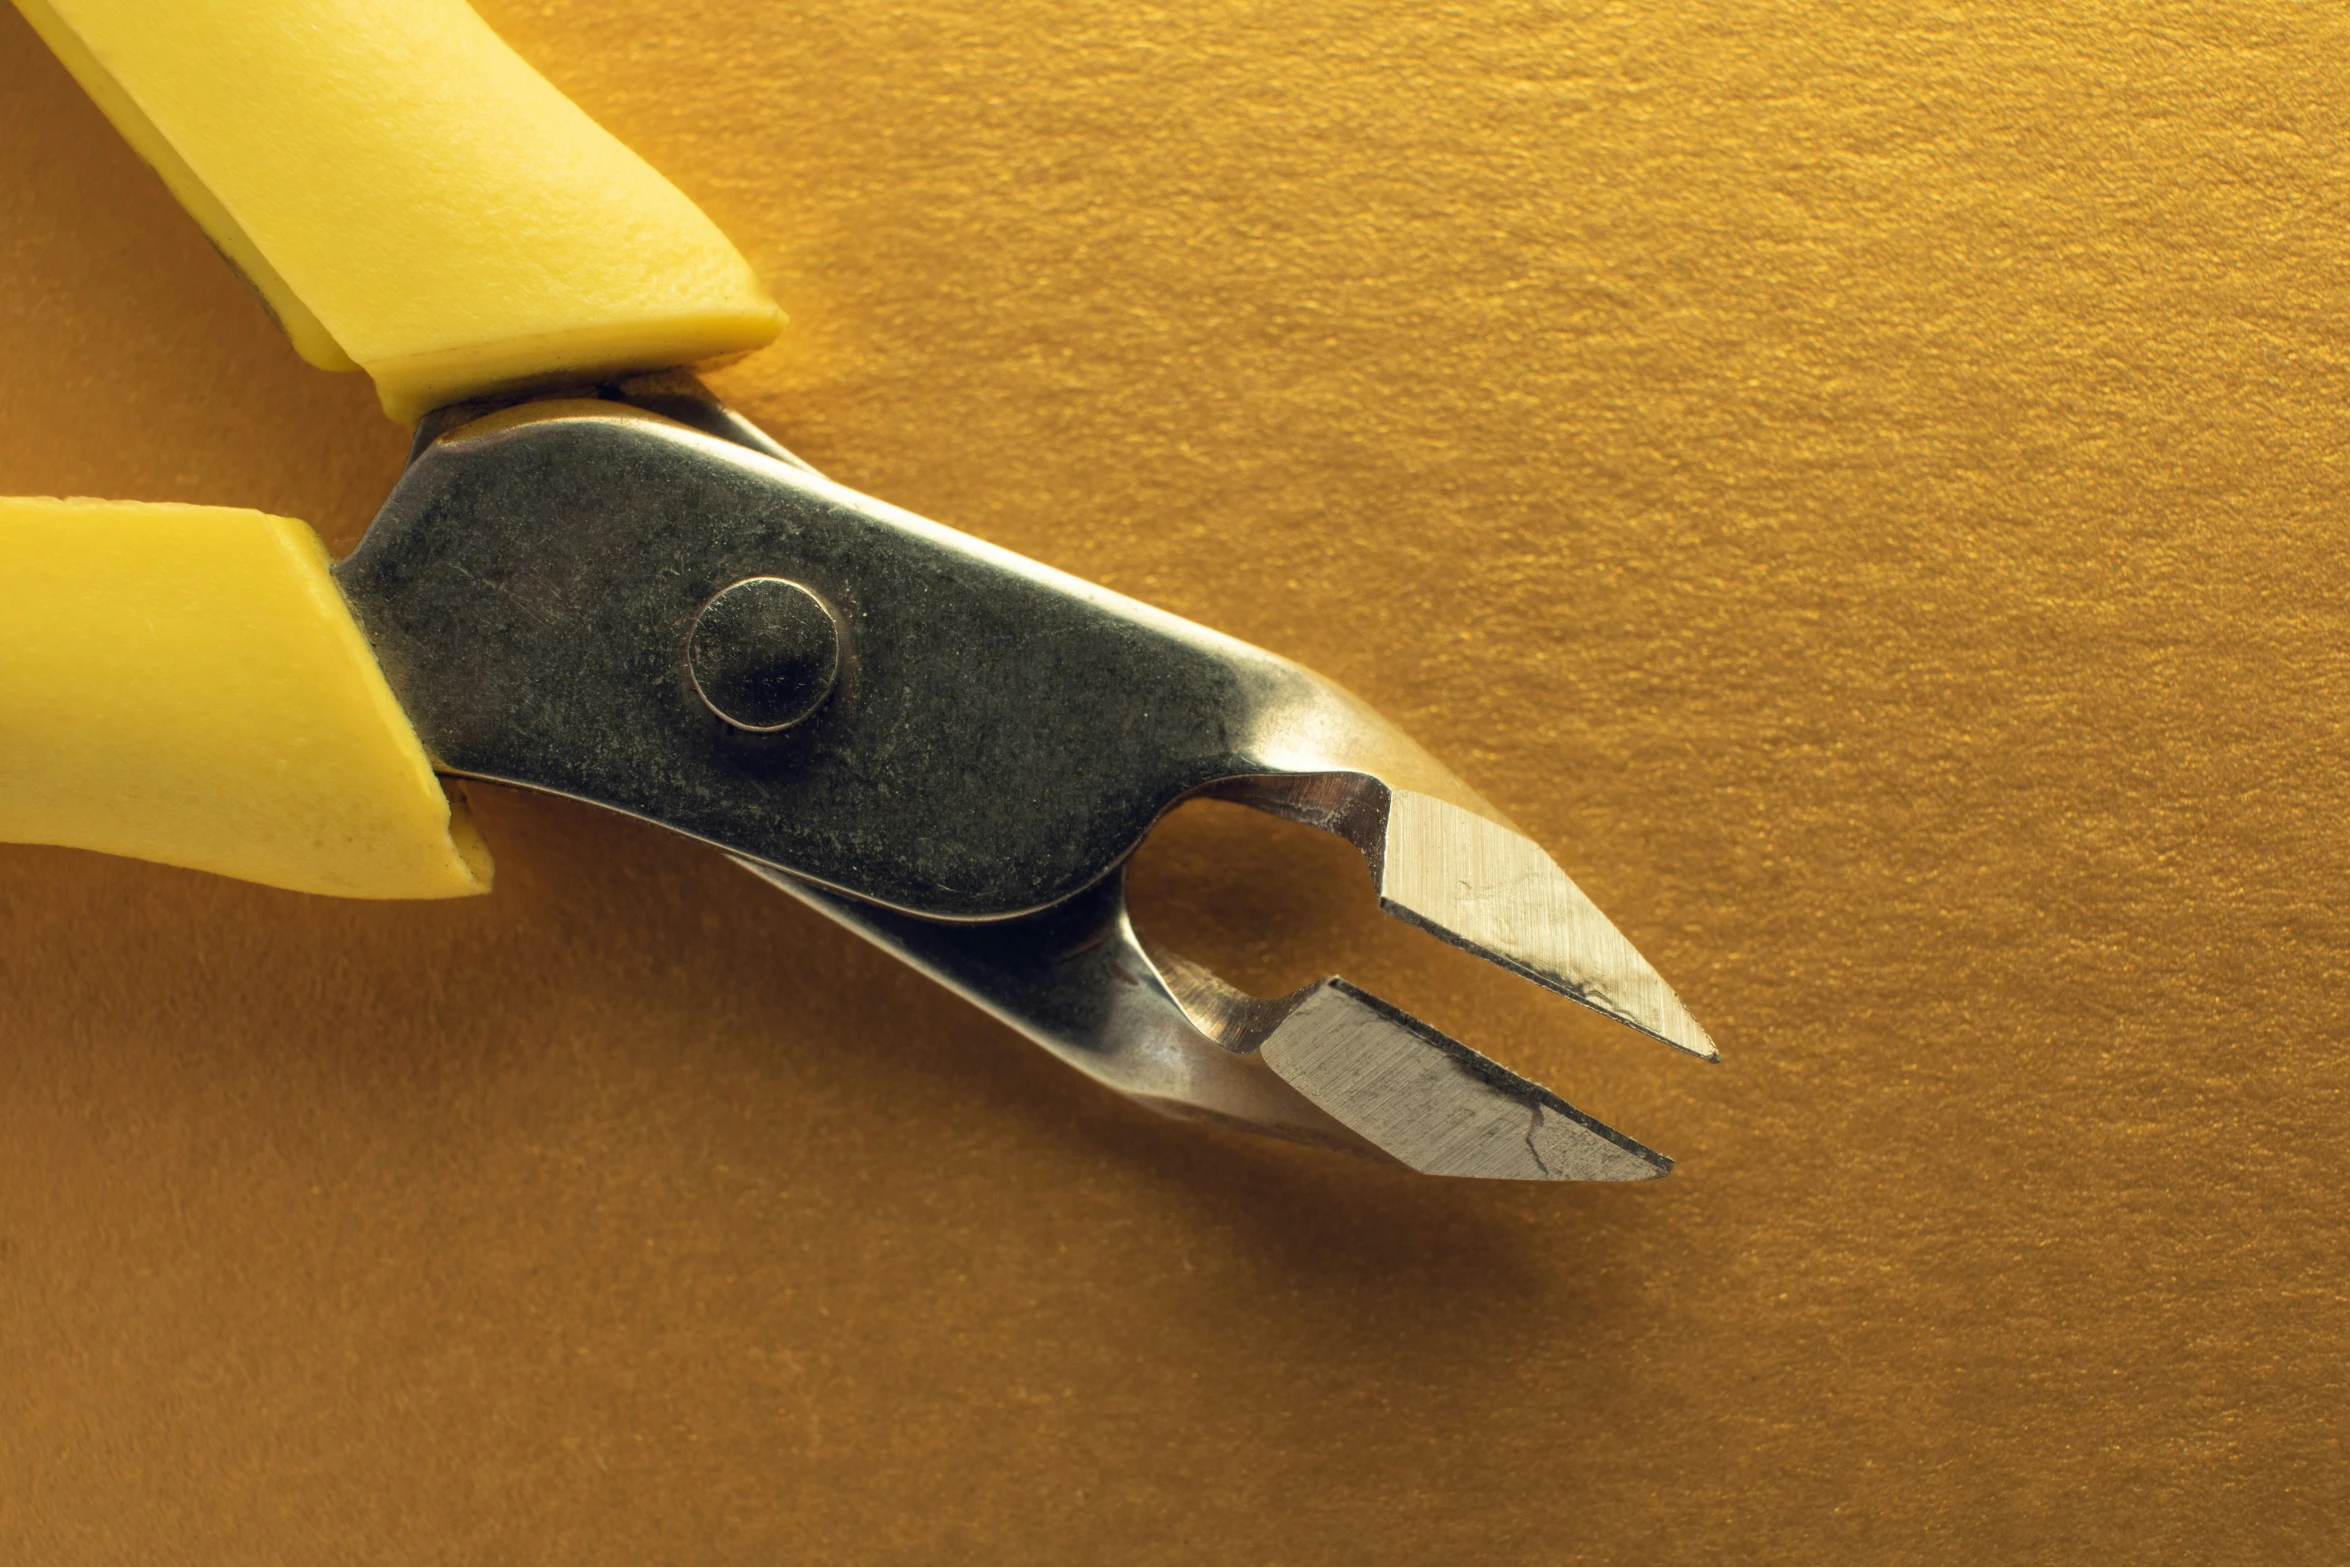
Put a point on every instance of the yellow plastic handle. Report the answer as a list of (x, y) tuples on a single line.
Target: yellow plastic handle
[(407, 194), (184, 684)]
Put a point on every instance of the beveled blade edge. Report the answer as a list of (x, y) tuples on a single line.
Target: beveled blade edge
[(1493, 892), (1430, 1102)]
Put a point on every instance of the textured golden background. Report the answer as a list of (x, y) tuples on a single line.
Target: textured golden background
[(1864, 484)]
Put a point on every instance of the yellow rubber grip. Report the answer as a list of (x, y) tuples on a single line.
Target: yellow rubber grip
[(185, 684), (407, 194)]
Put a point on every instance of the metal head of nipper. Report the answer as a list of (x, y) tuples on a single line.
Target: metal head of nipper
[(611, 595)]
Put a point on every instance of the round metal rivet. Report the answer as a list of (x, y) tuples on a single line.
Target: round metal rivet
[(764, 653)]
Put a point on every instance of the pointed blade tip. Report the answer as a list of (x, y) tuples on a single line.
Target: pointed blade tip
[(1692, 1040)]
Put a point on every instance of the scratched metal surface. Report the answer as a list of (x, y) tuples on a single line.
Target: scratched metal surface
[(1863, 486)]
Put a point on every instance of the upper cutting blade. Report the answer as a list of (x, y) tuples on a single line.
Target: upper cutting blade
[(1490, 890)]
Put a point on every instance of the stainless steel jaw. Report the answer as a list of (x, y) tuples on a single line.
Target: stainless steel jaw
[(632, 597)]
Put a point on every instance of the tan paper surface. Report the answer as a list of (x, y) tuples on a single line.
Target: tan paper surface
[(1864, 485)]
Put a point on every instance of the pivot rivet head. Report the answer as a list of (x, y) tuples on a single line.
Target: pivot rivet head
[(764, 653)]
